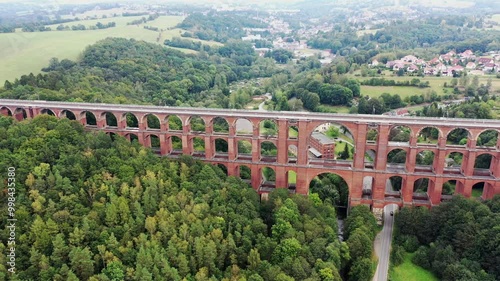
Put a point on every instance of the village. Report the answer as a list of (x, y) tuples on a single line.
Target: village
[(450, 64)]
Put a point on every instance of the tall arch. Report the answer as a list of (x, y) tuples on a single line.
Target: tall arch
[(5, 111), (132, 137), (293, 132), (268, 176), (110, 118), (20, 113), (152, 122), (488, 138), (268, 151), (175, 144), (67, 114), (244, 127), (421, 187), (370, 156), (331, 141), (425, 158), (88, 118), (47, 111), (196, 124), (220, 125), (429, 135), (400, 134), (268, 128), (331, 186), (371, 136), (221, 147), (174, 123), (292, 153), (291, 177), (458, 136), (131, 120), (244, 149), (367, 190), (245, 173), (198, 146), (396, 158)]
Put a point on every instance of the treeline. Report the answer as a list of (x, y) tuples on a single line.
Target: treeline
[(98, 25), (94, 207), (187, 44), (474, 109), (457, 240), (219, 27), (119, 70), (143, 19), (415, 82)]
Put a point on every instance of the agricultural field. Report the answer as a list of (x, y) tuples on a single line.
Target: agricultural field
[(25, 52), (408, 271), (435, 83)]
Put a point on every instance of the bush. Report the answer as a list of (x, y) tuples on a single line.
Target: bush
[(410, 243), (397, 255), (421, 257)]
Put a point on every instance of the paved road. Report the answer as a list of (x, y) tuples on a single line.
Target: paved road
[(383, 245)]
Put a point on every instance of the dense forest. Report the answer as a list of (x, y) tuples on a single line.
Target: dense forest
[(92, 207), (220, 26), (457, 240), (118, 70)]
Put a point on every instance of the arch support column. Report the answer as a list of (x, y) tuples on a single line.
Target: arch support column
[(382, 142), (359, 151)]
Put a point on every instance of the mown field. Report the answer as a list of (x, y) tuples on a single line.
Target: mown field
[(410, 272), (435, 83), (25, 52)]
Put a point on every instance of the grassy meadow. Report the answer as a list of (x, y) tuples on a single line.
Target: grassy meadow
[(408, 271), (25, 52)]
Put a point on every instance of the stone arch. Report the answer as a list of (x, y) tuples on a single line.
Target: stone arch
[(174, 123), (292, 153), (429, 135), (487, 138), (293, 132), (478, 189), (421, 187), (220, 125), (331, 141), (244, 150), (450, 188), (221, 146), (198, 146), (196, 124), (244, 127), (131, 121), (371, 136), (112, 135), (131, 137), (367, 191), (458, 136), (400, 133), (483, 162), (291, 178), (110, 119), (328, 184), (370, 157), (20, 113), (67, 114), (5, 111), (268, 175), (395, 183), (153, 141), (268, 128), (47, 111), (268, 150), (396, 156), (454, 159), (152, 121), (425, 158), (88, 118), (245, 172), (175, 143), (223, 168)]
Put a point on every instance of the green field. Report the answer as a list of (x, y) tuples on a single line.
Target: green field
[(25, 52), (435, 83), (410, 272)]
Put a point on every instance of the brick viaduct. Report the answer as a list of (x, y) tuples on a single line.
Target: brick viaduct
[(367, 177)]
